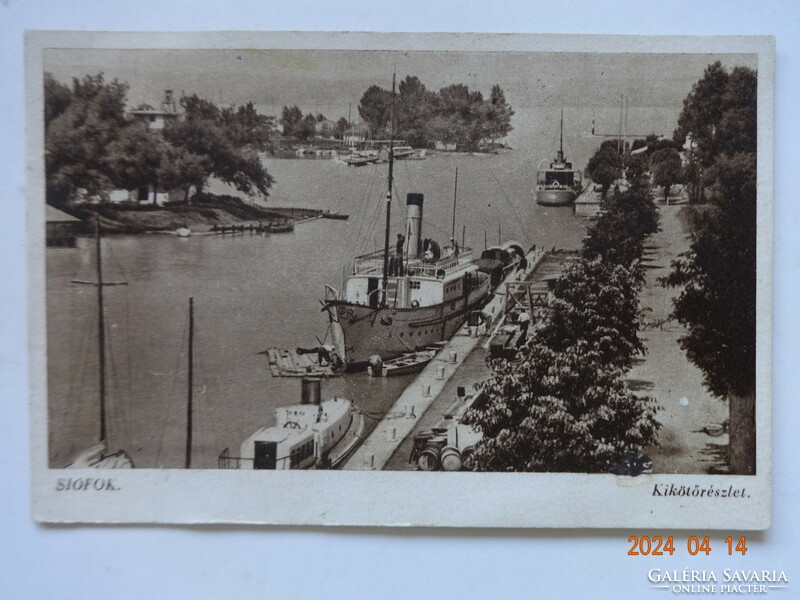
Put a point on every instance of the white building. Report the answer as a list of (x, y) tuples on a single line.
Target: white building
[(157, 118)]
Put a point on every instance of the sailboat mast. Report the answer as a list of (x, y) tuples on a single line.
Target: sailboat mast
[(561, 139), (190, 385), (389, 198), (455, 196), (101, 337)]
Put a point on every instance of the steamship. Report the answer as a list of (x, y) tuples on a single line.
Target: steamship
[(407, 297), (392, 303), (559, 184)]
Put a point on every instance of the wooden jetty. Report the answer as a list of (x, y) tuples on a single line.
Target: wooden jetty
[(288, 363), (268, 227)]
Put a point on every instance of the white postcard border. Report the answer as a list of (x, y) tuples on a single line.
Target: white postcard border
[(394, 498)]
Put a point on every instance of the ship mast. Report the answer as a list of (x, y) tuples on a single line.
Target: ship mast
[(190, 385), (388, 200), (101, 337), (455, 197)]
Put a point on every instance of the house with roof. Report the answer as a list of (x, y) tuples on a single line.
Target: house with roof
[(60, 227)]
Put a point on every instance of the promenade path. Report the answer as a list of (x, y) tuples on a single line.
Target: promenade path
[(667, 375)]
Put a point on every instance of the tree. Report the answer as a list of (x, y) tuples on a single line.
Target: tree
[(596, 301), (500, 113), (375, 108), (57, 98), (134, 159), (562, 405), (414, 109), (605, 167), (247, 128), (617, 236), (667, 169), (290, 117), (306, 128), (340, 128), (208, 146), (558, 412), (702, 112), (636, 171), (738, 124), (717, 302), (81, 126), (455, 100)]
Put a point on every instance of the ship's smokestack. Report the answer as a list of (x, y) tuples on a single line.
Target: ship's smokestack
[(414, 224), (311, 391)]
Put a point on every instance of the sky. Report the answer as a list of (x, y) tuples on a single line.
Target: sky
[(331, 82)]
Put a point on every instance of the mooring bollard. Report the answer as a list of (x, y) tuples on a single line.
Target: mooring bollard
[(410, 412), (454, 357), (369, 461), (440, 372), (426, 390)]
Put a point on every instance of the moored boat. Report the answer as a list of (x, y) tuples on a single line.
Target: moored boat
[(559, 184), (304, 436), (334, 215), (360, 160), (395, 302), (282, 226), (404, 364)]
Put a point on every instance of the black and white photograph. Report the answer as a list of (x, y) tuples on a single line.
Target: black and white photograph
[(316, 267)]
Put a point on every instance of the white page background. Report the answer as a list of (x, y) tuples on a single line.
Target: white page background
[(245, 562)]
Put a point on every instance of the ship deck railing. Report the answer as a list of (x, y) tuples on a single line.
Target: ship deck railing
[(372, 264), (226, 461)]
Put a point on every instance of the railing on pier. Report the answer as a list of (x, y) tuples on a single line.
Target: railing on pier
[(522, 293)]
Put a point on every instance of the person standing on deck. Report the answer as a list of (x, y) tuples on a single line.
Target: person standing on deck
[(523, 321)]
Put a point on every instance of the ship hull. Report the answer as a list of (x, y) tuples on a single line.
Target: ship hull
[(390, 332), (555, 197)]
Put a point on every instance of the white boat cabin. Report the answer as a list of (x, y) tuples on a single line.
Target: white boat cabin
[(412, 282), (301, 435)]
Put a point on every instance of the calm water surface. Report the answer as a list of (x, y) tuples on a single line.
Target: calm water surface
[(255, 292)]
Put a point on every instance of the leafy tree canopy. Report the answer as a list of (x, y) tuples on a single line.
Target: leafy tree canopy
[(718, 277), (81, 123), (605, 167), (667, 169)]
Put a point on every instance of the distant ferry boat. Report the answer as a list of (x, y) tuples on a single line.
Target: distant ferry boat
[(559, 184)]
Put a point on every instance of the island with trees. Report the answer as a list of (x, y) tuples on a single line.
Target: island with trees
[(455, 116)]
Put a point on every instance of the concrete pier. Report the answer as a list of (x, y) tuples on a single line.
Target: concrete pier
[(427, 387), (587, 204)]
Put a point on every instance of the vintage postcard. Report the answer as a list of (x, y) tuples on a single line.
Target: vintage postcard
[(459, 280)]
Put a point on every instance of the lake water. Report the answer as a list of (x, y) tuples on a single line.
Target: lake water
[(255, 292)]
